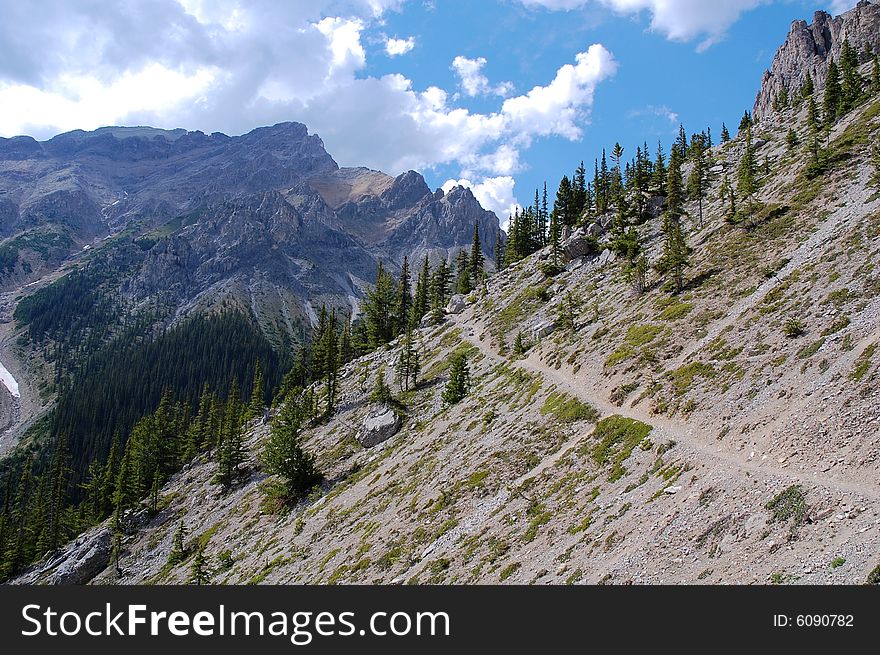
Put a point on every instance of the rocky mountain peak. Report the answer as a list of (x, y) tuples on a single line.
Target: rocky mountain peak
[(807, 49)]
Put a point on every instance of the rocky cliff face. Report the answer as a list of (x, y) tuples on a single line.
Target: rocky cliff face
[(807, 50)]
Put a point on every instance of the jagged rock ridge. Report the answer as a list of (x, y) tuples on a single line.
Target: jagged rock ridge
[(807, 49)]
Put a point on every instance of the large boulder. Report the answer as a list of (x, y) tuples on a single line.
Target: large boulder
[(542, 329), (457, 304), (380, 424), (84, 558), (579, 244)]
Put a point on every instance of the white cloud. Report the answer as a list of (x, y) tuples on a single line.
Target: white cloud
[(472, 80), (840, 6), (230, 66), (661, 111), (679, 20), (398, 47), (494, 194), (557, 107)]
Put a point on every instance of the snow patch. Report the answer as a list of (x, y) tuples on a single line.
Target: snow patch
[(9, 382)]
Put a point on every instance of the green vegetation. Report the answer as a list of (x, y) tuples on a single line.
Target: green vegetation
[(683, 378), (863, 363), (567, 409), (637, 336), (790, 504), (616, 438)]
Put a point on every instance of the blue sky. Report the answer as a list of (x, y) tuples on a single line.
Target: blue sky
[(500, 95)]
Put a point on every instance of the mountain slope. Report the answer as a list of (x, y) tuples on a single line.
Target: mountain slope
[(662, 439)]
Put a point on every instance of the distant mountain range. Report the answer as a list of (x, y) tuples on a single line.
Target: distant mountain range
[(266, 221)]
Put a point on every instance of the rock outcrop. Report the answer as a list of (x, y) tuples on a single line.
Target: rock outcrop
[(807, 50), (380, 424)]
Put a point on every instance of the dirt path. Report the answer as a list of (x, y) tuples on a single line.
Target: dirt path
[(690, 437)]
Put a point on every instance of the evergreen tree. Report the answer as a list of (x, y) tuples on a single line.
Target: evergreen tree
[(745, 121), (463, 282), (725, 133), (423, 290), (578, 194), (808, 88), (833, 94), (545, 214), (813, 128), (230, 453), (459, 380), (674, 188), (499, 254), (346, 349), (284, 455), (199, 573), (875, 75), (477, 261), (681, 143), (404, 298), (747, 183), (379, 308), (791, 139), (439, 290), (179, 550), (258, 402), (728, 200), (697, 180), (408, 362), (851, 89), (676, 254), (658, 180), (555, 238), (381, 393), (563, 205)]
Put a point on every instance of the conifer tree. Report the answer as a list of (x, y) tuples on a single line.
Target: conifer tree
[(725, 133), (555, 238), (728, 200), (459, 380), (404, 298), (833, 94), (258, 403), (179, 550), (463, 281), (284, 455), (674, 188), (439, 290), (408, 362), (379, 309), (851, 88), (745, 121), (199, 573), (381, 393), (747, 183), (519, 345), (676, 254), (423, 290), (681, 143), (562, 206), (808, 88), (697, 181), (545, 214), (578, 198), (658, 180), (499, 254), (477, 261), (230, 453), (813, 128), (346, 350)]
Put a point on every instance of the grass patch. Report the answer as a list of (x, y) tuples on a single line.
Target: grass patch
[(617, 436), (863, 363), (790, 504), (567, 409), (683, 378)]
